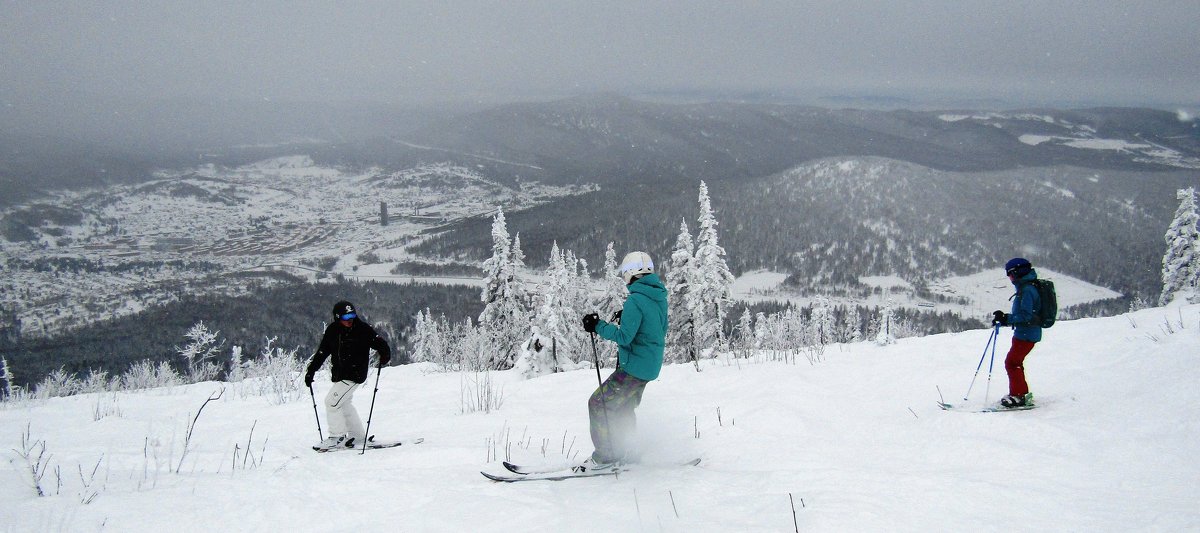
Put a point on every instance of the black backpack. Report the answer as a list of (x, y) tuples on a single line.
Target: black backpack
[(1048, 312)]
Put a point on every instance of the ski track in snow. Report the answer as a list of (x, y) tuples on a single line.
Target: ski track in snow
[(856, 441)]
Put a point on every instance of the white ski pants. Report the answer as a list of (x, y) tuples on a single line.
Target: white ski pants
[(339, 409)]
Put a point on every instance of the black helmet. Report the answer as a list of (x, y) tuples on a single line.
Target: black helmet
[(344, 310)]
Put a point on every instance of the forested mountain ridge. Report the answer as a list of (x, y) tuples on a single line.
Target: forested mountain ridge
[(612, 139), (831, 221)]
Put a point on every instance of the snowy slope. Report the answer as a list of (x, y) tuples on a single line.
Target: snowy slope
[(855, 441)]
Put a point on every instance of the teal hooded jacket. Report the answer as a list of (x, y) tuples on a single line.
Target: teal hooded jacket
[(642, 334)]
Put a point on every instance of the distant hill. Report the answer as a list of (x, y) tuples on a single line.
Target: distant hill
[(828, 222)]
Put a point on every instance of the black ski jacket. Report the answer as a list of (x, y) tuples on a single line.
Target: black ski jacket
[(350, 349)]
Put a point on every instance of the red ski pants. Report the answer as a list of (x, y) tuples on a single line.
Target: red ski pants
[(1014, 363)]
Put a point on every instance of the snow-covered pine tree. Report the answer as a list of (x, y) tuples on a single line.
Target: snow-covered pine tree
[(884, 329), (711, 288), (762, 331), (504, 320), (612, 298), (417, 338), (850, 324), (236, 367), (822, 326), (679, 275), (552, 317), (6, 374), (1181, 262), (744, 334)]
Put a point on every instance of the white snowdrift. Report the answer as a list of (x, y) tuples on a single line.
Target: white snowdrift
[(855, 441)]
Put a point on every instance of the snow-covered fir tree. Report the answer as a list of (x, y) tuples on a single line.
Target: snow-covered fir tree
[(822, 324), (236, 366), (419, 336), (883, 327), (850, 324), (1181, 262), (614, 291), (679, 275), (553, 337), (505, 319), (7, 376), (744, 334), (711, 288), (761, 330)]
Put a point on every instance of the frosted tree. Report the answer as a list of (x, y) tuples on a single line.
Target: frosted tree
[(822, 325), (431, 339), (745, 333), (198, 353), (1181, 263), (518, 257), (6, 374), (504, 320), (711, 288), (614, 291), (850, 325), (680, 273), (884, 327), (236, 367), (553, 314), (421, 336)]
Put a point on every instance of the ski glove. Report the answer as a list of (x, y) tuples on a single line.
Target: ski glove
[(308, 379), (589, 322), (999, 318), (384, 359)]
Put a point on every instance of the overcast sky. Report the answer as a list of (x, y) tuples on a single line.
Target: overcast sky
[(1121, 52)]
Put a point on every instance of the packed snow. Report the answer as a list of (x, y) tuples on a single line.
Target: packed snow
[(850, 442)]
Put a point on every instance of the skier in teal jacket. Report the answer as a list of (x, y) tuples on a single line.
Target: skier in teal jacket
[(640, 334)]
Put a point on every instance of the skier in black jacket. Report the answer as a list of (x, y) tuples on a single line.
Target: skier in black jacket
[(348, 341)]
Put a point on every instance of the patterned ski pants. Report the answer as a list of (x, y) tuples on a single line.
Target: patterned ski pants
[(339, 409), (613, 422)]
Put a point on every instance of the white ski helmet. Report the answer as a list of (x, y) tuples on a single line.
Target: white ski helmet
[(634, 264)]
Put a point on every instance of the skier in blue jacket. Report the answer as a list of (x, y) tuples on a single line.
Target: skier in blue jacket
[(640, 334), (1027, 331)]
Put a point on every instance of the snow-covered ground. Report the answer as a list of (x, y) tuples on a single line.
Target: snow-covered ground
[(855, 441)]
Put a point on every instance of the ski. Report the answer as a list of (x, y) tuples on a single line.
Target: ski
[(557, 475), (987, 409), (521, 473), (518, 469), (371, 445)]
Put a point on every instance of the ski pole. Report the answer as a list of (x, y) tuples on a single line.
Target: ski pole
[(320, 435), (596, 359), (987, 392), (991, 339), (370, 413), (600, 391)]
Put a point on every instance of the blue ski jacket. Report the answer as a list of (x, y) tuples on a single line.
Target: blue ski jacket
[(1025, 302), (642, 334)]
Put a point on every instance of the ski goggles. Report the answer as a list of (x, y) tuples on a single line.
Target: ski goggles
[(347, 316)]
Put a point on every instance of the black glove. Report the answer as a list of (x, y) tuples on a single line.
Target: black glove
[(589, 322), (616, 318), (999, 318), (308, 377), (384, 359)]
